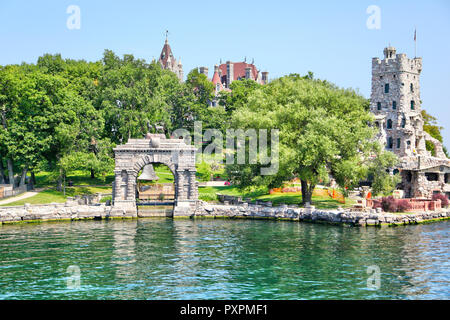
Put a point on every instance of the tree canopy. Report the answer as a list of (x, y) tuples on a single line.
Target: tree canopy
[(323, 130)]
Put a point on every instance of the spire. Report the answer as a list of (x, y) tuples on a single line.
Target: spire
[(166, 53)]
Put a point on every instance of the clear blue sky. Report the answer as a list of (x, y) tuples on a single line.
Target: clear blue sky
[(329, 38)]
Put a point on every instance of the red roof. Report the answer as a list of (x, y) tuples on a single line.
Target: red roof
[(238, 70), (165, 54), (215, 78)]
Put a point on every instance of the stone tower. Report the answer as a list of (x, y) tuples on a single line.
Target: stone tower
[(395, 101), (167, 61)]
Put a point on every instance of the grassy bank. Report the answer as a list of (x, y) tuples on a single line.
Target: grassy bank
[(51, 195), (321, 202)]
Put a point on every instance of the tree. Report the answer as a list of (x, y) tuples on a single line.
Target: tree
[(238, 96), (433, 129), (321, 129), (200, 86), (133, 94), (382, 181)]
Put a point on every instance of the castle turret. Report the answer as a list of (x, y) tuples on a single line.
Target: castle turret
[(168, 62), (395, 100), (230, 73), (204, 70)]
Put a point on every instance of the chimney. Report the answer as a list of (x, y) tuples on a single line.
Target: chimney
[(230, 73), (265, 77), (248, 72), (204, 70)]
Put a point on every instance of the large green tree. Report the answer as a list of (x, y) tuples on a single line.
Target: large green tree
[(430, 126), (323, 130)]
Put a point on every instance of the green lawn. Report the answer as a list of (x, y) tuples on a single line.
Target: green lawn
[(85, 186), (209, 194), (45, 179), (46, 196), (164, 174), (51, 195)]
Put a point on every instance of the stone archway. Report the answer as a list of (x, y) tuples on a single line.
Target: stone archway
[(131, 157)]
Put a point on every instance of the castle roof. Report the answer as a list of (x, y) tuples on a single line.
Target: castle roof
[(216, 80), (166, 56), (238, 70)]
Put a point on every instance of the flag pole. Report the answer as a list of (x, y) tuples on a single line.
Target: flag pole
[(415, 42)]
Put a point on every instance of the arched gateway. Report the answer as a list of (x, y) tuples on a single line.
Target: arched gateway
[(155, 148)]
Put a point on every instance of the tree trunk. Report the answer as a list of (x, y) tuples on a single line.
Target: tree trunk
[(307, 192), (11, 172), (2, 172), (23, 177), (59, 182), (92, 174), (33, 178), (9, 161)]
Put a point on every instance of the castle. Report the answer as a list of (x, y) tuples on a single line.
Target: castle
[(167, 61), (395, 102), (224, 74)]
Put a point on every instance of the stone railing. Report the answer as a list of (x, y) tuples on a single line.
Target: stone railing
[(416, 205)]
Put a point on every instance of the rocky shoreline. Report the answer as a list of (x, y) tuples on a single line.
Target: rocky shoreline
[(68, 212)]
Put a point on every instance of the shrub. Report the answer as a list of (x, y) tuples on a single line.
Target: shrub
[(403, 205), (389, 204), (442, 197), (376, 204)]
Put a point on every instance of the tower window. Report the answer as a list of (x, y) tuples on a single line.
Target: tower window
[(386, 88), (398, 143), (432, 176), (389, 124), (394, 105), (390, 143), (412, 105), (379, 105), (408, 144), (411, 87), (403, 122)]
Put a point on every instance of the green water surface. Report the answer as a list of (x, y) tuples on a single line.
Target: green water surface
[(222, 259)]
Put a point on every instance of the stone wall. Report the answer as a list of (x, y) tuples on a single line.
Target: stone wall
[(55, 212), (338, 216)]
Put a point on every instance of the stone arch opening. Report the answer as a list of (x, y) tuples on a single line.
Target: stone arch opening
[(155, 149), (155, 191)]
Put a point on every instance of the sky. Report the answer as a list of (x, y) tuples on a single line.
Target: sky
[(336, 40)]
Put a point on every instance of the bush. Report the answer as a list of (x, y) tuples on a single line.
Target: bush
[(389, 204), (442, 197), (376, 204), (403, 205)]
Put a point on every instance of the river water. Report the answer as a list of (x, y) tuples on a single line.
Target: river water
[(222, 259)]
